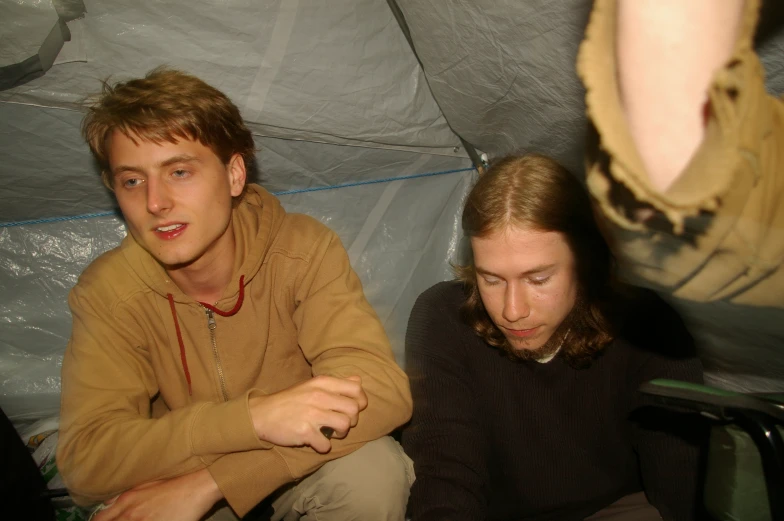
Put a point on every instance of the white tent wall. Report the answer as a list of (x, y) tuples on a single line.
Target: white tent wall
[(503, 72), (345, 124)]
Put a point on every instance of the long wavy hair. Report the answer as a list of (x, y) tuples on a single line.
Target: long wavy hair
[(535, 192)]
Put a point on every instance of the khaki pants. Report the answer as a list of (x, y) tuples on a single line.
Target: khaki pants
[(634, 507), (370, 483)]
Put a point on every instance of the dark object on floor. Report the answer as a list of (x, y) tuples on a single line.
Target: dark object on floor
[(22, 488)]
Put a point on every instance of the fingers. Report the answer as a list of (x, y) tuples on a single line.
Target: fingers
[(350, 387), (339, 404), (335, 424), (362, 399), (104, 512), (319, 442)]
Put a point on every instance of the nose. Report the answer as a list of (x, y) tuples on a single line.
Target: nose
[(516, 305), (158, 197)]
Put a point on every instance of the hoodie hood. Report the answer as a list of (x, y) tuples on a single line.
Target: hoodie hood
[(256, 218)]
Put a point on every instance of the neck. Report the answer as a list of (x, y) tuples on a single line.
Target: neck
[(206, 279), (202, 286)]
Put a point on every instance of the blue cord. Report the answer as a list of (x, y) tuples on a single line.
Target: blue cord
[(374, 181), (283, 192)]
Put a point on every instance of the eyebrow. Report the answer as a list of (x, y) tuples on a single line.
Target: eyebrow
[(532, 271), (182, 158)]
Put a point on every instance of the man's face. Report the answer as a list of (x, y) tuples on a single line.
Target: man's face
[(528, 284), (176, 198)]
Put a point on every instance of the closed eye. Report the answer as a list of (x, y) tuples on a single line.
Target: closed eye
[(491, 282), (540, 281)]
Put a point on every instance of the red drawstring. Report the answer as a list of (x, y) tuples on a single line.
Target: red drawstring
[(236, 307), (233, 311)]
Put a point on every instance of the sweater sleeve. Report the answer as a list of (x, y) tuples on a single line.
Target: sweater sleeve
[(715, 230), (109, 441), (444, 438)]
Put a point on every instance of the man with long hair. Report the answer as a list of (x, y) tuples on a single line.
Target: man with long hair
[(224, 352), (525, 370)]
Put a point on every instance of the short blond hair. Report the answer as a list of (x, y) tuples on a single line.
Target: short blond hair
[(165, 106)]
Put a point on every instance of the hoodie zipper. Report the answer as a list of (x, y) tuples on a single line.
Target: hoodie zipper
[(212, 325)]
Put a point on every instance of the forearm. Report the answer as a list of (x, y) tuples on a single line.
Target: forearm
[(667, 52), (107, 452)]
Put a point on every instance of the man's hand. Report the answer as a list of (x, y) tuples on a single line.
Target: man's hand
[(294, 417), (185, 498)]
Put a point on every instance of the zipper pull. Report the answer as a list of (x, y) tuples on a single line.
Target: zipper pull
[(211, 320)]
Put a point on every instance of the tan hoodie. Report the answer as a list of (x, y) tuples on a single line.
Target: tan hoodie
[(140, 404)]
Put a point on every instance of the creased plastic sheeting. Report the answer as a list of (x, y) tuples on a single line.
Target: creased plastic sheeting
[(407, 250), (34, 66), (24, 25), (769, 43), (291, 165), (38, 267), (503, 72), (338, 72), (47, 170), (740, 346)]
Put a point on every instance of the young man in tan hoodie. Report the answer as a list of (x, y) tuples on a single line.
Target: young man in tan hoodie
[(224, 352)]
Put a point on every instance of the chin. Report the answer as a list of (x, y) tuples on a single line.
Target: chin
[(530, 344), (527, 349), (522, 354), (172, 260)]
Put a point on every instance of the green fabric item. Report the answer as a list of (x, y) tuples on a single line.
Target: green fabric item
[(735, 484), (677, 384)]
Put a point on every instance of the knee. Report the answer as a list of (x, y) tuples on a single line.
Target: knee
[(373, 482)]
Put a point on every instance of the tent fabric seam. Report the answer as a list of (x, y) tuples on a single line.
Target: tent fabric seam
[(48, 220)]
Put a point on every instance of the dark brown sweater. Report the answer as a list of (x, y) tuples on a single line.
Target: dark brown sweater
[(498, 440)]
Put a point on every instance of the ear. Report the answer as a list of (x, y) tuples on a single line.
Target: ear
[(237, 174)]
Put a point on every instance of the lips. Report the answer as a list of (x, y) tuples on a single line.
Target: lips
[(168, 228), (169, 231), (523, 333)]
